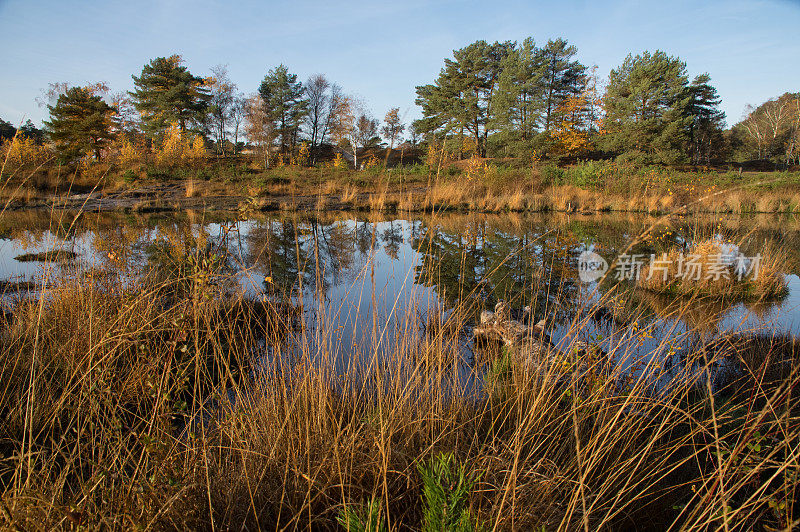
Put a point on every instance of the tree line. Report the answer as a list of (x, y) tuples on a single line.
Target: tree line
[(282, 118), (521, 99), (501, 99)]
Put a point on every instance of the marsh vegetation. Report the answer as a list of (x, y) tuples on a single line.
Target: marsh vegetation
[(212, 370)]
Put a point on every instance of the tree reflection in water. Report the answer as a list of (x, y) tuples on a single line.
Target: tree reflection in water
[(364, 278)]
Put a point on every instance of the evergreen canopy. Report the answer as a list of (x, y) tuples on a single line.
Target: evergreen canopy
[(80, 123), (166, 92), (285, 103), (505, 88), (647, 106)]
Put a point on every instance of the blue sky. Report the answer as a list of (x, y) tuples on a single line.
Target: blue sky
[(381, 51)]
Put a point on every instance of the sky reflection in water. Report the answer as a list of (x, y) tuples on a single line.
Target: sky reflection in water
[(406, 269)]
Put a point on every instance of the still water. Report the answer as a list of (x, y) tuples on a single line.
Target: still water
[(363, 280)]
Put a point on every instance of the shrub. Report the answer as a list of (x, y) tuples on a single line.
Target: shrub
[(205, 174), (415, 169), (446, 486), (365, 519), (587, 174), (153, 172), (552, 175)]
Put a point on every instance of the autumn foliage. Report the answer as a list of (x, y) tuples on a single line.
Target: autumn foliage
[(22, 152), (180, 147)]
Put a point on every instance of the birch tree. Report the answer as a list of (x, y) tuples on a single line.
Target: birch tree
[(345, 128), (223, 96), (393, 127), (259, 127)]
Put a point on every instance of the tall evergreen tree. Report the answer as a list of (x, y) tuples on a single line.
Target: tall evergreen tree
[(167, 92), (647, 109), (29, 130), (7, 130), (560, 76), (462, 95), (440, 108), (286, 104), (707, 121), (80, 123), (504, 88), (518, 102)]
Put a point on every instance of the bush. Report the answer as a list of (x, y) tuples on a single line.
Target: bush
[(414, 169), (205, 174), (153, 172), (272, 179), (446, 486), (552, 175), (588, 174)]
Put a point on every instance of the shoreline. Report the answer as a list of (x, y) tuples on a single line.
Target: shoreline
[(171, 197)]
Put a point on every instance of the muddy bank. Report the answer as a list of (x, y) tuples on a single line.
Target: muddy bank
[(174, 197)]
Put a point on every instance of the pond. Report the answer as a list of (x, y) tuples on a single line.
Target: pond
[(376, 281)]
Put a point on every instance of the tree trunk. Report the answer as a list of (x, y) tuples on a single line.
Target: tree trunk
[(386, 159), (550, 95)]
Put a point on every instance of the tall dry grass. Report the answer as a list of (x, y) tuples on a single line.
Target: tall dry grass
[(123, 410), (700, 271)]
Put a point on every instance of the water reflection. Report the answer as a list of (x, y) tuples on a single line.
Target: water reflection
[(362, 279)]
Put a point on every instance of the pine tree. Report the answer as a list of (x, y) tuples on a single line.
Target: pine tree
[(32, 132), (513, 91), (647, 109), (461, 98), (707, 121), (285, 103), (7, 130), (440, 111), (518, 103), (80, 123), (560, 76), (167, 92)]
